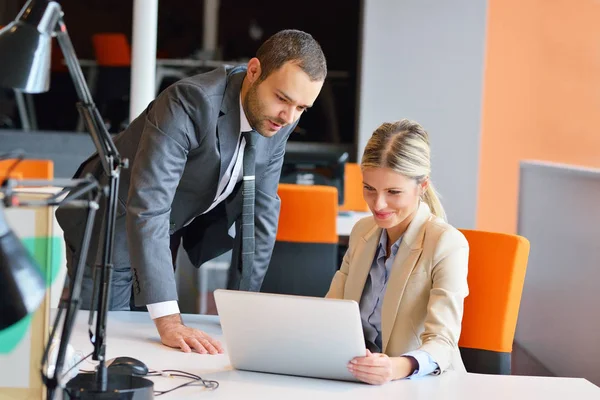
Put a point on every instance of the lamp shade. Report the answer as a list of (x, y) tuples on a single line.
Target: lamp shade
[(22, 286), (25, 48)]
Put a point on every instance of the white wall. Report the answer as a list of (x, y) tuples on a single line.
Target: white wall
[(424, 60)]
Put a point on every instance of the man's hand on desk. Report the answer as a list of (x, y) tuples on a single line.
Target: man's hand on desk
[(174, 333)]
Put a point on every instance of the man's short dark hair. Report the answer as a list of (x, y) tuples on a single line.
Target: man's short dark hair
[(292, 46)]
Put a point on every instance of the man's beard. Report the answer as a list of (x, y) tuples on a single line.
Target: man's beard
[(253, 109)]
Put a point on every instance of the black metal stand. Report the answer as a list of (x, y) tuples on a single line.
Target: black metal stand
[(99, 385), (123, 387), (47, 15), (112, 163)]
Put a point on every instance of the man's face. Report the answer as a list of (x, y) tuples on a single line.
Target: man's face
[(280, 99)]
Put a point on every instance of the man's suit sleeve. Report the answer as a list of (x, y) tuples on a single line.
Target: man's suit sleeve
[(266, 217), (168, 136)]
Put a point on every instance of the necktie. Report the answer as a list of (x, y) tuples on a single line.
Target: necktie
[(248, 195)]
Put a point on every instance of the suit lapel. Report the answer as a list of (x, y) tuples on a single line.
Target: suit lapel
[(404, 263), (365, 252), (228, 124)]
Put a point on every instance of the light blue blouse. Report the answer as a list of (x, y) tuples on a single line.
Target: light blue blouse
[(372, 301)]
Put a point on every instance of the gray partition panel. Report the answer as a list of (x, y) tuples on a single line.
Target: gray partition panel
[(559, 319), (67, 149)]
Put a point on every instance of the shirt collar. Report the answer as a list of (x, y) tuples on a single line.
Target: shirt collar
[(244, 124), (383, 244)]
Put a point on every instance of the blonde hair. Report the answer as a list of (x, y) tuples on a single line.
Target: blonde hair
[(403, 146)]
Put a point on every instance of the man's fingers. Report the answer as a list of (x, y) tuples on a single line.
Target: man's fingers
[(212, 345), (190, 339), (218, 346), (196, 345), (208, 346), (183, 346)]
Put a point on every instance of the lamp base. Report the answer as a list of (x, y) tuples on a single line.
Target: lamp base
[(125, 387)]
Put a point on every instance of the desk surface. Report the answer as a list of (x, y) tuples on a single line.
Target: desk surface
[(133, 334), (346, 220)]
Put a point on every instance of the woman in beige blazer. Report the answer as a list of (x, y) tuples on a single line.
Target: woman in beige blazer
[(405, 265)]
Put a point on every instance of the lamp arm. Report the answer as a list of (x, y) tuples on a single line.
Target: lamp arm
[(74, 189), (112, 164), (71, 305)]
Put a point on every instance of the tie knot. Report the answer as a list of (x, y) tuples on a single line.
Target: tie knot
[(251, 137)]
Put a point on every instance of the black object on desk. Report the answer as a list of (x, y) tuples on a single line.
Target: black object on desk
[(126, 366)]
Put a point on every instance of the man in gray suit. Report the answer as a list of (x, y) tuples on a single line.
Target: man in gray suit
[(186, 153)]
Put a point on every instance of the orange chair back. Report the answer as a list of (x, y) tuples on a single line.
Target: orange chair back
[(353, 189), (497, 265), (112, 49), (27, 169), (305, 254), (308, 213)]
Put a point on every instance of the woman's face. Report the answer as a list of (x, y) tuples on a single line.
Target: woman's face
[(392, 197)]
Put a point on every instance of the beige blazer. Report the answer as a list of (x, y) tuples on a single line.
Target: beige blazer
[(423, 304)]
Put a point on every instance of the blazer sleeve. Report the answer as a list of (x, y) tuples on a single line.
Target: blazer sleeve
[(168, 136), (266, 217), (445, 308)]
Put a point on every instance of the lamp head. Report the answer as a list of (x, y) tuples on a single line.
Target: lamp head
[(25, 47), (22, 286)]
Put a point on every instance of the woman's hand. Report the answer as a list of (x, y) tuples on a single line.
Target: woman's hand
[(378, 368)]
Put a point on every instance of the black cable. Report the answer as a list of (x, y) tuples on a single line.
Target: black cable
[(211, 385), (195, 380), (78, 362)]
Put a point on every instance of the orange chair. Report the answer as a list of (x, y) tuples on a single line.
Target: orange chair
[(304, 258), (27, 169), (113, 81), (112, 49), (353, 189), (497, 265)]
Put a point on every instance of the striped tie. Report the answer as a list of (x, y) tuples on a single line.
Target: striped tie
[(248, 195)]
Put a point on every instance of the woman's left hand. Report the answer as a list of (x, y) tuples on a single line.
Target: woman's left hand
[(375, 368)]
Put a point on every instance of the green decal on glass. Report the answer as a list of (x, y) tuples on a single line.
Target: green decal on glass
[(11, 336), (48, 255)]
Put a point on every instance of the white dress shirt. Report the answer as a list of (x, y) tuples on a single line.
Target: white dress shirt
[(233, 174)]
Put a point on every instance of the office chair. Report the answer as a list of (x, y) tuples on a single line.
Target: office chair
[(304, 258), (497, 265)]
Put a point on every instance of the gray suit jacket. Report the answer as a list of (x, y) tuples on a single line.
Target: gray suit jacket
[(179, 149)]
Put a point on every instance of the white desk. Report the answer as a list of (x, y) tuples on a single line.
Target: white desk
[(133, 334)]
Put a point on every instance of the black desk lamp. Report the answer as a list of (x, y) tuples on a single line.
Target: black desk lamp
[(25, 49), (22, 286)]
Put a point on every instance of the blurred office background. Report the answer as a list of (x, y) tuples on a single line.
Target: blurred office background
[(509, 91)]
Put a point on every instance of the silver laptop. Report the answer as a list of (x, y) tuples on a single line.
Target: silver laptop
[(290, 335)]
